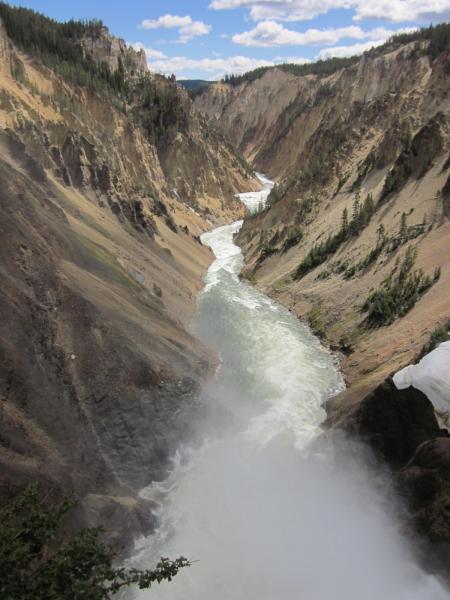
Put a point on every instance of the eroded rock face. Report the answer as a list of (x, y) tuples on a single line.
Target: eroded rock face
[(426, 483), (394, 422), (401, 428), (100, 267), (97, 380), (106, 48)]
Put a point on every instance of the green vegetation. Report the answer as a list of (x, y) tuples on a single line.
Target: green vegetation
[(446, 189), (267, 250), (438, 37), (294, 237), (314, 319), (57, 46), (37, 564), (416, 157), (170, 222), (399, 293), (386, 244), (438, 335), (324, 275), (361, 215), (399, 174), (158, 108), (250, 277), (370, 258), (274, 196), (155, 101), (346, 345), (195, 87), (322, 68)]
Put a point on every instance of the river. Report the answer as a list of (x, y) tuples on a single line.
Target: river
[(268, 508)]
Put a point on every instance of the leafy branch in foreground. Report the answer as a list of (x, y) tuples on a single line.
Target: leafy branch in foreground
[(35, 563)]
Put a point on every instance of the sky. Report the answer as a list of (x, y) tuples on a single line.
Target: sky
[(206, 39)]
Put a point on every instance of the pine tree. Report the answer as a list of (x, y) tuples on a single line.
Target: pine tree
[(381, 232), (356, 215), (344, 222), (403, 226), (36, 565)]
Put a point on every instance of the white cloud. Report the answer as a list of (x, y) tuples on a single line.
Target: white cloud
[(300, 10), (403, 10), (214, 68), (187, 28), (149, 52), (192, 30), (269, 33), (282, 10), (166, 22), (377, 36), (297, 60), (354, 49)]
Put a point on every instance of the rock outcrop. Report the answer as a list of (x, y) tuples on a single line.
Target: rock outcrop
[(104, 47), (426, 483), (401, 428)]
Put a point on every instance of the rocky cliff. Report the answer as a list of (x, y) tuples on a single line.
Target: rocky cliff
[(106, 48), (360, 156), (106, 180)]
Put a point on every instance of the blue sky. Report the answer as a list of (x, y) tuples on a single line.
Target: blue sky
[(208, 38)]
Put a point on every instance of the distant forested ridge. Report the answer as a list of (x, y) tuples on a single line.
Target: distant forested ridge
[(437, 36)]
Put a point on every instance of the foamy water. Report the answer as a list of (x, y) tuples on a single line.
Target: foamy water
[(269, 511), (256, 201)]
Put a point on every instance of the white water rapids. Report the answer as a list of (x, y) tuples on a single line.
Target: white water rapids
[(270, 511)]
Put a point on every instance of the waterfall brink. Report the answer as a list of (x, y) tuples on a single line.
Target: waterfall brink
[(270, 510)]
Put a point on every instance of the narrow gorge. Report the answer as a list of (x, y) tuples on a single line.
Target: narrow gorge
[(263, 501), (224, 317)]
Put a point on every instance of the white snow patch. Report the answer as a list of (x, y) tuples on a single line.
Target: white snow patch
[(431, 376)]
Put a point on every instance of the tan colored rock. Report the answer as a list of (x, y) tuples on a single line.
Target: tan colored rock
[(111, 50), (5, 62)]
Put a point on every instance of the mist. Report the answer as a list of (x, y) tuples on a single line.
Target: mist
[(268, 506)]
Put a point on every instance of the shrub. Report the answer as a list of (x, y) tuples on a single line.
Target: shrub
[(437, 336), (169, 221), (267, 250), (273, 196), (398, 294), (295, 236), (314, 319), (320, 252)]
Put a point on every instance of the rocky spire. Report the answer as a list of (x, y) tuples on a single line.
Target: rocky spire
[(104, 47)]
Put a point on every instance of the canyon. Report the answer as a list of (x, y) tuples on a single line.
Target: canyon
[(122, 342), (330, 141)]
